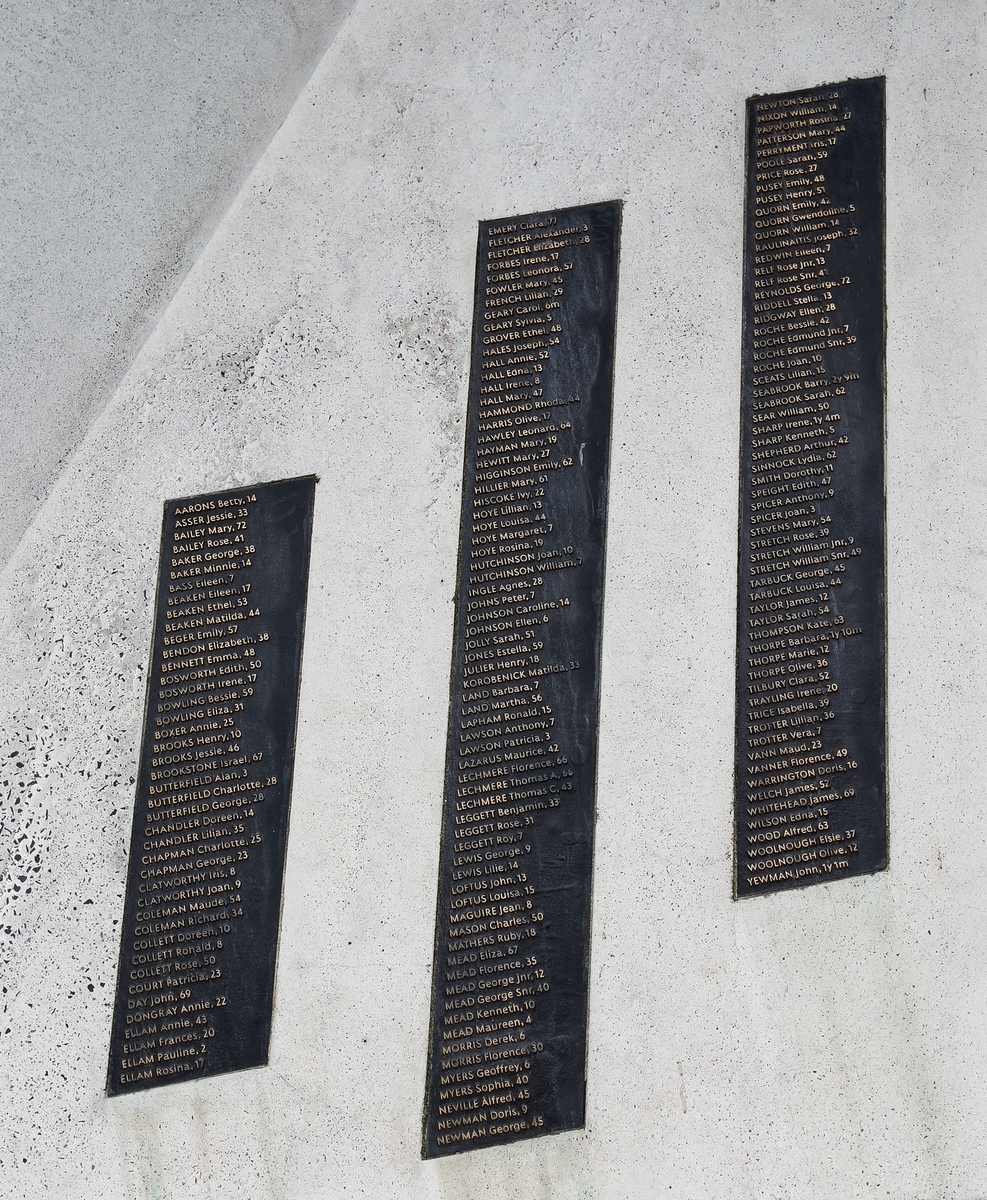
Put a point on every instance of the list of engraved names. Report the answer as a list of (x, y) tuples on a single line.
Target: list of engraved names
[(212, 797), (810, 736), (509, 997)]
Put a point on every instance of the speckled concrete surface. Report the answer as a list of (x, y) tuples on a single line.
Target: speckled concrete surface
[(792, 1047)]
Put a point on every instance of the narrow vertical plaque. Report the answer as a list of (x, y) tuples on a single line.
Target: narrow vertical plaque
[(811, 790), (509, 993), (195, 983)]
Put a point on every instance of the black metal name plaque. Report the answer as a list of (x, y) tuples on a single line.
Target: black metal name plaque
[(195, 984), (811, 788), (511, 972)]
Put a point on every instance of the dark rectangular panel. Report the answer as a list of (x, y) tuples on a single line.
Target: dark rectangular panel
[(195, 984), (811, 791), (509, 993)]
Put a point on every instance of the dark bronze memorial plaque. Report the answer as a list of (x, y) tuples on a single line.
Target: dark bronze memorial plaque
[(811, 789), (509, 993), (195, 984)]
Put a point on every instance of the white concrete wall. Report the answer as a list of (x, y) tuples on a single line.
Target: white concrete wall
[(801, 1046)]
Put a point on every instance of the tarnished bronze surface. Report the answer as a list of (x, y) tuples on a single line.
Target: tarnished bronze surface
[(509, 996), (811, 791), (200, 923)]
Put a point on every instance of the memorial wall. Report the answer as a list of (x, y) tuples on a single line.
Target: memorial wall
[(628, 363)]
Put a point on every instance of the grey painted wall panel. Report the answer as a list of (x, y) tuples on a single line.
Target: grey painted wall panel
[(126, 132)]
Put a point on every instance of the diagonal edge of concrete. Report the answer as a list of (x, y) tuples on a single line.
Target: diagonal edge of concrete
[(126, 141)]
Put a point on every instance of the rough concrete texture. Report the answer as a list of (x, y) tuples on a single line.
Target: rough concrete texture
[(127, 132), (799, 1046)]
